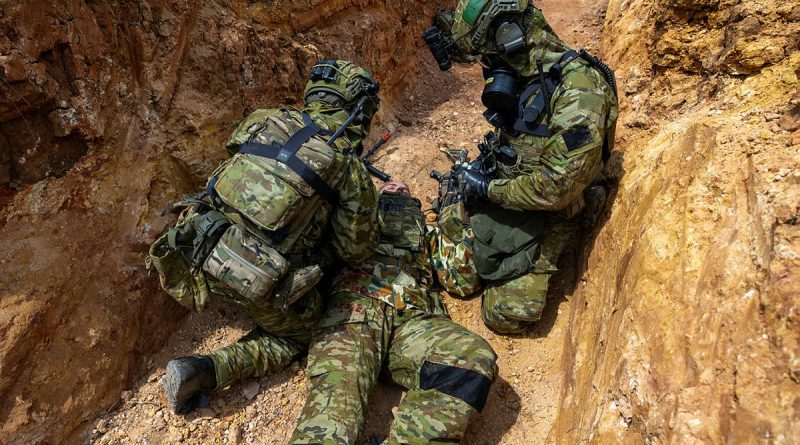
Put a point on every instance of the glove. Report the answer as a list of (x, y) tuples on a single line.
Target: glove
[(474, 184)]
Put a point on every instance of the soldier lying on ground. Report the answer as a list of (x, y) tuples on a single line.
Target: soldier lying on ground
[(292, 201), (387, 315)]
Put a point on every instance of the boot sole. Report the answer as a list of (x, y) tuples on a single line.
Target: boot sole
[(172, 384)]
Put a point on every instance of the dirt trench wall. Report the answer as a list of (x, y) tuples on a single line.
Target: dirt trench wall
[(685, 328), (109, 111)]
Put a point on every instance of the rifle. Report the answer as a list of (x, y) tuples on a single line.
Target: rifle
[(374, 171), (451, 188)]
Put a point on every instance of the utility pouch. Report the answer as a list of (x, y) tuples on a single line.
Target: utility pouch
[(296, 284), (506, 241), (185, 284), (245, 264), (179, 253)]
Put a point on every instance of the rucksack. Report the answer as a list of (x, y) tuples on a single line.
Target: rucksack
[(281, 175)]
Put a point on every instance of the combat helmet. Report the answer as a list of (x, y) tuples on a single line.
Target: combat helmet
[(342, 84), (478, 29)]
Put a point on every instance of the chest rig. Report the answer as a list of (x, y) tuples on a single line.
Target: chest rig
[(524, 115), (403, 221)]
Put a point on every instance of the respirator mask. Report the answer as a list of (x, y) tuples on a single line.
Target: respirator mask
[(509, 39)]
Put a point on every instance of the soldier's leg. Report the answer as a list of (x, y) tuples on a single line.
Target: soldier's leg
[(343, 365), (256, 354), (448, 371), (511, 306)]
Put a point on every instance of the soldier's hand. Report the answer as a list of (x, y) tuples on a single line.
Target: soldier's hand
[(474, 184)]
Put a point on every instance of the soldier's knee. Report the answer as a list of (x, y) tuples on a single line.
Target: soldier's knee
[(511, 307), (467, 385), (498, 322)]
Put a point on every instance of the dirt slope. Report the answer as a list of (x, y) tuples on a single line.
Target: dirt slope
[(108, 111), (686, 327)]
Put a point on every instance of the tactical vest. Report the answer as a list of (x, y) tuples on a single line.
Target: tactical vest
[(534, 101), (395, 274), (280, 180), (402, 221)]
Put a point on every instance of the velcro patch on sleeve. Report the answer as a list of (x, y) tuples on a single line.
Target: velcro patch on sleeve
[(577, 138)]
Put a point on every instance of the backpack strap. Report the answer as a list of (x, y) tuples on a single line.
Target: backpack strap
[(287, 154)]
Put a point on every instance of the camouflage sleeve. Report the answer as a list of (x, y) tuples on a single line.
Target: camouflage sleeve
[(355, 218), (572, 157)]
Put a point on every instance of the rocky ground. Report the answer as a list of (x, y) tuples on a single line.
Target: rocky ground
[(676, 321), (444, 111)]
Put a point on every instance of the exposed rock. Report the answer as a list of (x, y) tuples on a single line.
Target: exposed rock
[(686, 330), (250, 389)]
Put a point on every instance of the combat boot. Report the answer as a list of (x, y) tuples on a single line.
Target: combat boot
[(185, 381)]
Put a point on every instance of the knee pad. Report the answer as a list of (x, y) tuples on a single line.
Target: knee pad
[(464, 384)]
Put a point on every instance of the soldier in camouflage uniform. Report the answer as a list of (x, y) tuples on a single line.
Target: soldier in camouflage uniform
[(323, 231), (562, 132), (386, 315)]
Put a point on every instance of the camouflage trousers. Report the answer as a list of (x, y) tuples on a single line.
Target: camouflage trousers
[(511, 306), (446, 368), (280, 337)]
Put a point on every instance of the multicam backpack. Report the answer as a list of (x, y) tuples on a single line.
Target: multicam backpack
[(283, 176), (282, 173), (278, 186)]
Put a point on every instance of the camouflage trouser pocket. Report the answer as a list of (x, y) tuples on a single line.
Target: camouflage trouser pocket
[(177, 277), (245, 264)]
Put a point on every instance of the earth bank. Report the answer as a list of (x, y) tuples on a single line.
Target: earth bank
[(677, 323)]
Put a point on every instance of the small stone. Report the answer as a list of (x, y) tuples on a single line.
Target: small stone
[(206, 413), (250, 389), (234, 435)]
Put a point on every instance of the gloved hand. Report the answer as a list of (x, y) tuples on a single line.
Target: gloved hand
[(474, 184)]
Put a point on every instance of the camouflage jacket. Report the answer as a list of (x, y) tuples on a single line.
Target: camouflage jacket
[(346, 229), (552, 171)]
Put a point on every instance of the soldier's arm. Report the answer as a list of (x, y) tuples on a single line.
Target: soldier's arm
[(355, 217), (572, 157)]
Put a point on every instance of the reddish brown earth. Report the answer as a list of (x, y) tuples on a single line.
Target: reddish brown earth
[(108, 112), (675, 321)]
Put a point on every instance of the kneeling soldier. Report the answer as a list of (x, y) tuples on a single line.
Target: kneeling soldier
[(293, 200)]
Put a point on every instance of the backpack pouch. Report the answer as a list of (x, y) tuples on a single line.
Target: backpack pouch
[(245, 264), (178, 278), (250, 185)]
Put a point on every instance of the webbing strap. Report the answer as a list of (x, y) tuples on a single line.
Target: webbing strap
[(287, 154), (540, 130)]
